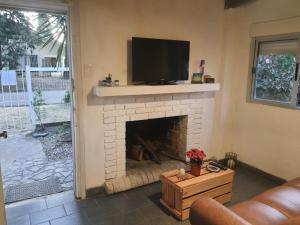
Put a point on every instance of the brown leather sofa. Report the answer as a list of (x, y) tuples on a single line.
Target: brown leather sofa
[(278, 206)]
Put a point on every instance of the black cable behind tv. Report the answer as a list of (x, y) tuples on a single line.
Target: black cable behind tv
[(161, 82)]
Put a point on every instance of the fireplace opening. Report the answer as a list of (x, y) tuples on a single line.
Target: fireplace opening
[(155, 141)]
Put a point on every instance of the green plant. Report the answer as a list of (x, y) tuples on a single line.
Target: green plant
[(17, 36), (67, 97), (38, 101), (52, 30), (275, 73), (65, 132)]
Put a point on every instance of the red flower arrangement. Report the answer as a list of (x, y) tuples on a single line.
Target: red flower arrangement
[(196, 155)]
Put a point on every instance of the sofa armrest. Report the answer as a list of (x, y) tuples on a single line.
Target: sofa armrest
[(207, 211)]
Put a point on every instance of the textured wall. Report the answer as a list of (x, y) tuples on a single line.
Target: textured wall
[(101, 47), (264, 136)]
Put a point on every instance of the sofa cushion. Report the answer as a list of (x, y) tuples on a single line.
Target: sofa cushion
[(207, 211), (294, 183), (285, 199), (293, 221), (258, 213)]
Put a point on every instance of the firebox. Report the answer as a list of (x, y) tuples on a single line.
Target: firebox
[(155, 141)]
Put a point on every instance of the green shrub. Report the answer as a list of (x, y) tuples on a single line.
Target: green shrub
[(67, 97)]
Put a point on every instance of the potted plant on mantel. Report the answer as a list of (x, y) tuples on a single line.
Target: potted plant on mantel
[(196, 157)]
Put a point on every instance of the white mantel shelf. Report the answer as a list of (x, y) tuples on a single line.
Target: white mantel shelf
[(133, 90)]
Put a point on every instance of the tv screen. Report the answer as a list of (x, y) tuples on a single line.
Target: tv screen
[(157, 60)]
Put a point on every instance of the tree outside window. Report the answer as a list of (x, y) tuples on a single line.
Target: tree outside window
[(275, 73)]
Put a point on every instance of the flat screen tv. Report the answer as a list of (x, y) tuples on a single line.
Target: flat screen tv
[(159, 61)]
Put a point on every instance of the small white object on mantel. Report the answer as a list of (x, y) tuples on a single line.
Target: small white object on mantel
[(133, 90)]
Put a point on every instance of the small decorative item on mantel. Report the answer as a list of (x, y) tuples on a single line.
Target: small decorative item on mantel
[(116, 82), (107, 82), (198, 77), (201, 67), (209, 79), (196, 157)]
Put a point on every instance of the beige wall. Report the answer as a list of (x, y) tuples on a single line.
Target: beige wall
[(264, 136), (105, 27)]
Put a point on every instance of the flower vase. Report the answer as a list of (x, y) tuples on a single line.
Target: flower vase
[(196, 169)]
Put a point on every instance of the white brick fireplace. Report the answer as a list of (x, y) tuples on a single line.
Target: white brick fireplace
[(118, 110)]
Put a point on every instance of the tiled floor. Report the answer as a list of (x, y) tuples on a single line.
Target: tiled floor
[(139, 206)]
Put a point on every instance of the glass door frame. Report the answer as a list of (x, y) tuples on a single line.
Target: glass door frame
[(66, 9)]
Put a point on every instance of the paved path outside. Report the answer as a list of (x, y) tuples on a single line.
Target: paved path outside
[(19, 147), (23, 161)]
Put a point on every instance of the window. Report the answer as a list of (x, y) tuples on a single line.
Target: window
[(34, 61), (31, 60), (49, 62), (274, 73)]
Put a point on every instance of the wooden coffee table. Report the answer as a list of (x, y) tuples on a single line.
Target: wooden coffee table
[(178, 196)]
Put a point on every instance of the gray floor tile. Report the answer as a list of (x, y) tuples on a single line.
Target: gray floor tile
[(134, 217), (111, 199), (74, 219), (59, 199), (77, 206), (101, 213), (140, 206), (247, 184), (24, 208), (22, 220), (47, 215), (164, 221), (45, 223)]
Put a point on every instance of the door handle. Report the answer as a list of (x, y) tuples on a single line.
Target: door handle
[(3, 134)]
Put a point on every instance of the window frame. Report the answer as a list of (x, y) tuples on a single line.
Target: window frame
[(252, 71)]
